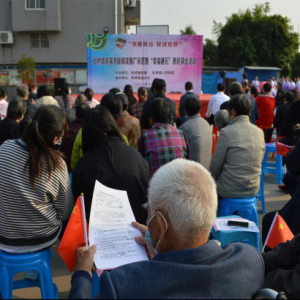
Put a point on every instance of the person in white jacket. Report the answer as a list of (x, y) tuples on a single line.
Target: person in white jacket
[(3, 103)]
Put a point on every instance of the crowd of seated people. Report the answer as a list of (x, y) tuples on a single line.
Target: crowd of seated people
[(135, 145)]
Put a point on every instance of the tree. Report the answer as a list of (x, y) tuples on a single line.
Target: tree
[(210, 49), (188, 30), (295, 66), (26, 69), (253, 38)]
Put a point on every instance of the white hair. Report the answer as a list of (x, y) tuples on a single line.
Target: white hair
[(187, 192)]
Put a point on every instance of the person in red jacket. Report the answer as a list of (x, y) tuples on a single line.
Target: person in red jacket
[(266, 105)]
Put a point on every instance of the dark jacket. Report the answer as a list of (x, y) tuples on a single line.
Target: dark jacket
[(291, 211), (280, 118), (145, 124), (280, 97), (293, 118), (67, 147), (183, 99), (208, 272), (133, 175), (9, 130), (283, 268)]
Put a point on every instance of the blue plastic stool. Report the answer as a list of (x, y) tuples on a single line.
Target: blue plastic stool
[(272, 168), (246, 208), (96, 285), (228, 237), (261, 195), (12, 264)]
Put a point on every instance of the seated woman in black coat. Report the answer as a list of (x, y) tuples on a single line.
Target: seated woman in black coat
[(9, 127), (110, 161)]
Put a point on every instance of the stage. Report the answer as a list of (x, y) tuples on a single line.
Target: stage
[(176, 97)]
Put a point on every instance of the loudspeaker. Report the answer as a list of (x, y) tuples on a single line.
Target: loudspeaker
[(58, 85), (228, 82)]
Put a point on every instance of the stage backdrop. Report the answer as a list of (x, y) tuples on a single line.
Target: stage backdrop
[(117, 60)]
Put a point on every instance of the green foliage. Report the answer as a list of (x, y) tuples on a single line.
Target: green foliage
[(295, 66), (26, 68), (52, 90), (210, 49), (253, 38), (188, 30)]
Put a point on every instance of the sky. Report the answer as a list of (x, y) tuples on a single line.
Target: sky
[(201, 13)]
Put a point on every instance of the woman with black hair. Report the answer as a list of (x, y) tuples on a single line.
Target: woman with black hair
[(128, 91), (9, 127), (65, 100), (89, 93), (110, 161), (37, 198), (44, 97)]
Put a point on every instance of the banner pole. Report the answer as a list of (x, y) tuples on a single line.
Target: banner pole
[(116, 16), (84, 221)]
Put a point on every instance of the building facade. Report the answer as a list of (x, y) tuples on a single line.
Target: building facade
[(53, 33)]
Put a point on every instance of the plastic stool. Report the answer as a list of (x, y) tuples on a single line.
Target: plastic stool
[(12, 264), (96, 285), (261, 194), (228, 237), (245, 208), (272, 168)]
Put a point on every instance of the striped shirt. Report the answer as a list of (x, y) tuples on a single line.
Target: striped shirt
[(30, 216)]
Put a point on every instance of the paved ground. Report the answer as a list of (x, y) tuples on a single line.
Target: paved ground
[(275, 200)]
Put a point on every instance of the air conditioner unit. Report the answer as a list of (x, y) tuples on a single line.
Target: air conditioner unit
[(130, 3), (6, 38)]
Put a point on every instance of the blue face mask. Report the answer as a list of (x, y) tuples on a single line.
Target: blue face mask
[(148, 236), (229, 121), (70, 93), (59, 142)]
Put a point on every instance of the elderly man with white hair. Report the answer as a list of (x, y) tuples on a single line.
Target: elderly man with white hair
[(183, 264)]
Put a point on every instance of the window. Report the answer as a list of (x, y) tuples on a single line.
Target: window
[(35, 4), (39, 41)]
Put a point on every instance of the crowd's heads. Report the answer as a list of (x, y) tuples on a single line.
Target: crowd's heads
[(43, 91), (250, 84), (114, 91), (89, 93), (81, 110), (296, 93), (245, 76), (113, 104), (289, 97), (22, 91), (267, 87), (16, 110), (256, 78), (128, 90), (192, 106), (235, 89), (188, 203), (221, 119), (99, 125), (124, 99), (279, 85), (160, 86), (32, 87), (47, 128), (142, 94), (153, 84), (221, 87), (80, 99), (189, 86), (3, 94), (159, 112), (239, 105)]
